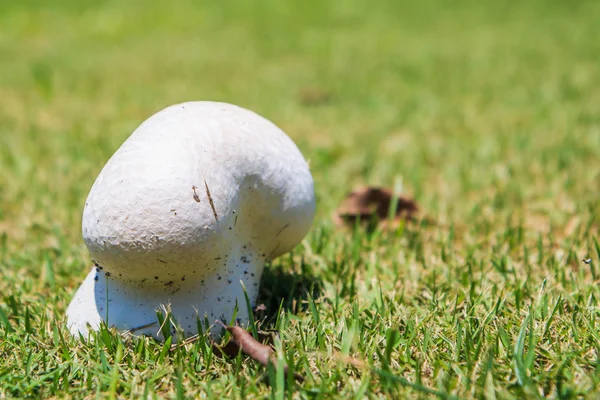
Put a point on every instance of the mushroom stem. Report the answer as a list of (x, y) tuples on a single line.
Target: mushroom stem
[(126, 303)]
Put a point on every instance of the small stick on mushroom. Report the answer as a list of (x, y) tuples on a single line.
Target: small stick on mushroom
[(210, 200)]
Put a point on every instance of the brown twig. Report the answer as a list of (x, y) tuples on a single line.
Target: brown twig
[(210, 200)]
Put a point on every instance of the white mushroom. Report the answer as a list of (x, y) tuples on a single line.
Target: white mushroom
[(197, 199)]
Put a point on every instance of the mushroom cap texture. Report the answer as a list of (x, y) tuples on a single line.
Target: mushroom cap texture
[(196, 183)]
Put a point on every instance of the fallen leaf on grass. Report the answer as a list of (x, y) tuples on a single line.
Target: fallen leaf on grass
[(257, 351), (367, 202), (231, 349)]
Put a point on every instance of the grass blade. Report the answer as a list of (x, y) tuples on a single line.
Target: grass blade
[(519, 365)]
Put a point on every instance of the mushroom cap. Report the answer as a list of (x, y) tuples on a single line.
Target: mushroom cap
[(192, 182)]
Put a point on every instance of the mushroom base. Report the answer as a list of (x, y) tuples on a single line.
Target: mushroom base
[(129, 305)]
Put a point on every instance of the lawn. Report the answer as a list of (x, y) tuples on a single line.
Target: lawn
[(487, 111)]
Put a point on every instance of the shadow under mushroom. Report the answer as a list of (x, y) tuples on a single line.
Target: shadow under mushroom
[(283, 288)]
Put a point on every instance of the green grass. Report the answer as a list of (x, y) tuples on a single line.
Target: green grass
[(488, 111)]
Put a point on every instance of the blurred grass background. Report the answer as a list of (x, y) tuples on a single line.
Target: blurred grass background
[(488, 110)]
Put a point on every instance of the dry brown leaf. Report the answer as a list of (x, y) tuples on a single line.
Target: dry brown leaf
[(243, 340), (365, 202), (231, 349)]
